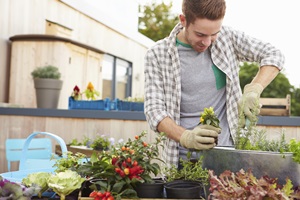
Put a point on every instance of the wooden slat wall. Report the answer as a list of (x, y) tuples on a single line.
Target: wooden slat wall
[(70, 128), (82, 28), (67, 129)]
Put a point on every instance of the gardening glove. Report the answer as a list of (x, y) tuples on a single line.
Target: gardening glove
[(249, 106), (200, 138)]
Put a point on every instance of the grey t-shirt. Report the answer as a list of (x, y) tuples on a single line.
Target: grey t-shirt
[(201, 88)]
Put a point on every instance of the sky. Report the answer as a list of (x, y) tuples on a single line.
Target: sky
[(273, 21)]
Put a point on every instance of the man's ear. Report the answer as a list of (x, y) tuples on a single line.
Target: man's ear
[(182, 20)]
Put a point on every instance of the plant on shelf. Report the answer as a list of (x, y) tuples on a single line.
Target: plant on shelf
[(48, 85), (48, 72), (134, 99), (100, 143), (90, 92), (76, 95)]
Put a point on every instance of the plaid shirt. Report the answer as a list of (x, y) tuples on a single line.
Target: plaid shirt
[(163, 84)]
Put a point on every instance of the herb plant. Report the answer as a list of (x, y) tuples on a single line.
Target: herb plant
[(70, 162), (48, 71), (100, 143), (191, 170)]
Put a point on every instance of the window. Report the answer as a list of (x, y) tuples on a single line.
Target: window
[(116, 74)]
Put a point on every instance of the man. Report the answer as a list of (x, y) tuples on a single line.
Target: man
[(196, 67)]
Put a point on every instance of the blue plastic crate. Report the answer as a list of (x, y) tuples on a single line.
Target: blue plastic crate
[(89, 105), (137, 106), (126, 105)]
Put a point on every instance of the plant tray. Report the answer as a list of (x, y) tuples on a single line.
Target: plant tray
[(89, 105)]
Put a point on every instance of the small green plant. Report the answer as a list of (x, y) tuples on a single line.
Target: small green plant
[(208, 117), (49, 71), (134, 99), (90, 92), (191, 170), (70, 162), (254, 139), (100, 143)]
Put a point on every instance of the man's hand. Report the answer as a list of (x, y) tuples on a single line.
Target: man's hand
[(249, 106), (201, 137)]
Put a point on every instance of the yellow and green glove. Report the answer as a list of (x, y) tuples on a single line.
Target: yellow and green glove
[(249, 106)]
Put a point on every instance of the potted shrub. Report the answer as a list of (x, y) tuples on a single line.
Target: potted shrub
[(187, 182), (100, 143), (127, 165), (47, 85)]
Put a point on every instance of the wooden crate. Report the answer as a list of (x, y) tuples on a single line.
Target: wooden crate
[(276, 106)]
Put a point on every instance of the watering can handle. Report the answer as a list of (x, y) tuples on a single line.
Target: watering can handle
[(31, 136)]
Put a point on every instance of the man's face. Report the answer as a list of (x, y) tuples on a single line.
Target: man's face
[(202, 33)]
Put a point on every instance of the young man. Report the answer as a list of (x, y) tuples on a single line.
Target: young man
[(197, 66)]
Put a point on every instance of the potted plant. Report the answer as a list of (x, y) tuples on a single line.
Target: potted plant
[(187, 182), (47, 85), (100, 143), (127, 165)]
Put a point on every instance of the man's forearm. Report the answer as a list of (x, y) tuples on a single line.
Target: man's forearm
[(265, 75), (172, 130)]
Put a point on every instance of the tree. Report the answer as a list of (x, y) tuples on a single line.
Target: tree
[(156, 20), (278, 88)]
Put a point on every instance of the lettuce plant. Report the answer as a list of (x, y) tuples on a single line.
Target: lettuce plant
[(244, 185), (63, 183)]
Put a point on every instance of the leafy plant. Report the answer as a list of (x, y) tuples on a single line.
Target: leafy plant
[(70, 162), (49, 71), (294, 147), (125, 165), (63, 183), (254, 139), (39, 179), (16, 191), (90, 92), (244, 185), (208, 117), (191, 170), (100, 143), (134, 99)]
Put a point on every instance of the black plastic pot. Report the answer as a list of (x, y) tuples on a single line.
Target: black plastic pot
[(183, 189), (150, 190)]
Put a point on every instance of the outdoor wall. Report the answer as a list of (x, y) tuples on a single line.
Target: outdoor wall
[(32, 16), (75, 124)]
